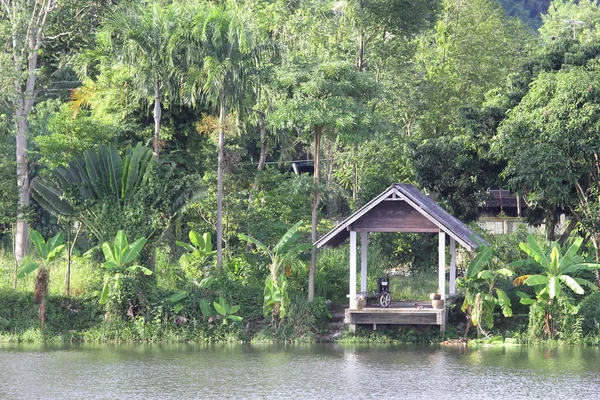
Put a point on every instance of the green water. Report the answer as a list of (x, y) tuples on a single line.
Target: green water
[(325, 371)]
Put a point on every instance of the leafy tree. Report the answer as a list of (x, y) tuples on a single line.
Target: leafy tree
[(571, 19), (327, 97), (550, 144), (471, 51), (220, 60), (140, 38), (22, 25)]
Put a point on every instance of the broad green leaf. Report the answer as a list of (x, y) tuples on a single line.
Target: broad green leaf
[(220, 309), (554, 258), (26, 270), (234, 309), (178, 307), (104, 294), (110, 265), (133, 250), (186, 246), (55, 252), (528, 301), (207, 242), (206, 282), (535, 251), (572, 284), (196, 239), (484, 253), (39, 242), (505, 272), (235, 318), (580, 267), (56, 241), (257, 243), (108, 253), (534, 280), (288, 238), (120, 246), (205, 308), (584, 282), (570, 254), (485, 275), (177, 296)]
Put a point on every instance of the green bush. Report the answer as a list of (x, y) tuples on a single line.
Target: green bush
[(589, 310)]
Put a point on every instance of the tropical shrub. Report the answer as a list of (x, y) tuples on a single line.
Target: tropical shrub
[(558, 272), (479, 285)]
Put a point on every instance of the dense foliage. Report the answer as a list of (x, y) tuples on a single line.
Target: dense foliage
[(204, 131)]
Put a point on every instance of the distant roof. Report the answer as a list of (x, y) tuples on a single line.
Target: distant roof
[(400, 195)]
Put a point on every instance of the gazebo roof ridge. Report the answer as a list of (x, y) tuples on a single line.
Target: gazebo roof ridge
[(399, 218)]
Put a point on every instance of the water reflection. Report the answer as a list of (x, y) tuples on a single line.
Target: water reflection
[(328, 371)]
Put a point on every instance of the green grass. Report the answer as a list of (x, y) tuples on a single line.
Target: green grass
[(416, 286), (85, 275)]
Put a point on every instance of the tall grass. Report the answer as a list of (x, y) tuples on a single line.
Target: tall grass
[(416, 286), (85, 275)]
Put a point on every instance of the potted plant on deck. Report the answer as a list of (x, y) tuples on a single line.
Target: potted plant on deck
[(436, 301)]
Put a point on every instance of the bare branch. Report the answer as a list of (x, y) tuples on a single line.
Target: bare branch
[(56, 36)]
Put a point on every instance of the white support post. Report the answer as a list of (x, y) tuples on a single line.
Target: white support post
[(452, 267), (364, 243), (352, 267), (442, 265)]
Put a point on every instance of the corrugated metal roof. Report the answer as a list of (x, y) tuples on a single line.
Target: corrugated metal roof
[(423, 204)]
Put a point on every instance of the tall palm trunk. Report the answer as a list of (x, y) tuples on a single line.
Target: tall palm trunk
[(222, 116), (157, 117), (315, 213), (22, 235)]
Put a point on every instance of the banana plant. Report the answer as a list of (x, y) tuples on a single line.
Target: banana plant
[(226, 311), (479, 286), (48, 251), (199, 250), (557, 271), (119, 256), (285, 254)]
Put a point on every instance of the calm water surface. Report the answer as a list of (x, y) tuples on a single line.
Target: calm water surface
[(325, 371)]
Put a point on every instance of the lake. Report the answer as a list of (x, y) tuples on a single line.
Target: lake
[(320, 371)]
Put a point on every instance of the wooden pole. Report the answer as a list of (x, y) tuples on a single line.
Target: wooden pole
[(442, 265), (364, 243), (452, 267), (352, 267)]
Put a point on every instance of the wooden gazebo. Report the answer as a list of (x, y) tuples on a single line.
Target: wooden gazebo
[(401, 208)]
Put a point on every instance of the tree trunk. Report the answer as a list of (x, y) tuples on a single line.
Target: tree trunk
[(222, 116), (68, 271), (157, 117), (25, 43), (261, 162), (22, 235), (315, 214), (263, 146)]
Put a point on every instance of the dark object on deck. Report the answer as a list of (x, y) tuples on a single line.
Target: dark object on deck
[(303, 167), (383, 292)]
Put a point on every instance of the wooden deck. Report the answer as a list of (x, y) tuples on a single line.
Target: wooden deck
[(398, 313)]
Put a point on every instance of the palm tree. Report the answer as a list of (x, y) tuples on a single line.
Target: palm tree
[(141, 39), (218, 73)]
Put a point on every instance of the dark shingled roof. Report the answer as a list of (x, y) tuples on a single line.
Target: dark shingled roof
[(436, 214)]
